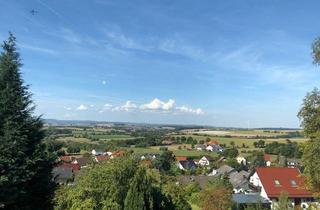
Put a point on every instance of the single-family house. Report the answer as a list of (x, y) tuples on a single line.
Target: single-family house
[(200, 147), (82, 161), (225, 169), (213, 146), (72, 166), (272, 181), (267, 159), (65, 158), (118, 153), (205, 161), (180, 158), (186, 165), (239, 181), (101, 158), (97, 152), (241, 160)]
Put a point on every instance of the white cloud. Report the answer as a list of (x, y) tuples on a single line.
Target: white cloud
[(185, 109), (128, 106), (156, 104), (104, 82), (82, 107)]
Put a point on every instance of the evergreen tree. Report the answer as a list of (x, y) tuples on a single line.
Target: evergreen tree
[(25, 166), (139, 196)]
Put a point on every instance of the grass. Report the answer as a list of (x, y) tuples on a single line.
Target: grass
[(80, 140)]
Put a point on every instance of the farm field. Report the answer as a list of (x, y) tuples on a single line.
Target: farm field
[(240, 133), (73, 139), (240, 141)]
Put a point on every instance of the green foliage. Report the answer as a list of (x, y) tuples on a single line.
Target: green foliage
[(230, 153), (316, 51), (311, 163), (289, 149), (103, 187), (164, 161), (25, 175), (283, 202), (140, 192), (176, 195), (309, 114)]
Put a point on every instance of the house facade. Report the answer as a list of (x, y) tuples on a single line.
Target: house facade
[(272, 181)]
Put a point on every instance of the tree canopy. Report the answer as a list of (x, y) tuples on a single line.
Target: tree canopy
[(25, 175), (316, 51)]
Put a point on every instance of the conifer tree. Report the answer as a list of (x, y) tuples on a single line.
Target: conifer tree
[(25, 166)]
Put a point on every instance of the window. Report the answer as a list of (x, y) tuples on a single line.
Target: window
[(293, 183), (277, 183)]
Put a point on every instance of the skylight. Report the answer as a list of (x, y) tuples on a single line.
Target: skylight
[(277, 183), (293, 183)]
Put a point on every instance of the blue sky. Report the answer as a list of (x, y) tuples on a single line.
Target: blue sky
[(220, 63)]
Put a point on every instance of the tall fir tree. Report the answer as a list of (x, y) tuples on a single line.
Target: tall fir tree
[(25, 165)]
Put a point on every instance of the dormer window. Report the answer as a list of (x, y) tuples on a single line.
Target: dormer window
[(293, 183), (277, 183)]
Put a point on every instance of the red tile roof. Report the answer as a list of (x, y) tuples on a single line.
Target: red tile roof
[(118, 153), (101, 158), (275, 180), (180, 158), (213, 142), (74, 167), (65, 158), (266, 157)]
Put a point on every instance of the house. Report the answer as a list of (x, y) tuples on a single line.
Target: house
[(272, 181), (205, 161), (180, 158), (292, 162), (73, 167), (239, 181), (213, 146), (242, 200), (97, 152), (118, 153), (186, 165), (241, 160), (101, 158), (225, 169), (66, 159), (82, 161), (267, 159), (200, 147), (62, 175)]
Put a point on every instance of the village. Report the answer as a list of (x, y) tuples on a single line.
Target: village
[(261, 185)]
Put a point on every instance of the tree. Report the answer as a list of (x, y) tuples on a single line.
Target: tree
[(103, 187), (311, 163), (309, 114), (164, 161), (25, 175), (216, 198), (139, 196), (316, 51), (283, 203)]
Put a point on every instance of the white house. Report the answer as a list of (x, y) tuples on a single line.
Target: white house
[(273, 181), (97, 152), (204, 161), (242, 160)]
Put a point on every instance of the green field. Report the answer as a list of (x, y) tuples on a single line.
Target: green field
[(239, 141)]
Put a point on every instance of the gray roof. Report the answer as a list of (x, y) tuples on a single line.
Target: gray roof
[(225, 169), (188, 164), (239, 180), (83, 161), (248, 198), (62, 174)]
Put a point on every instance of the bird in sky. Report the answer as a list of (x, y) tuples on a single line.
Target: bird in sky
[(33, 12)]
